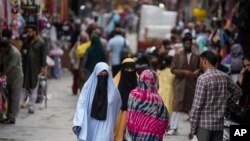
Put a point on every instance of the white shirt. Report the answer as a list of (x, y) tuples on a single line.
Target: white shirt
[(189, 57)]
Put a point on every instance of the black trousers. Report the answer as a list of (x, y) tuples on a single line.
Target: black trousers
[(208, 135)]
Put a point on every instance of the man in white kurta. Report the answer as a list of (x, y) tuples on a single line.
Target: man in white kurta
[(93, 129)]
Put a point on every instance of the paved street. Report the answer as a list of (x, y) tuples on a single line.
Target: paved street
[(55, 122)]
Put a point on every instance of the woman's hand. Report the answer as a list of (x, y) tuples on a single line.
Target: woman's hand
[(241, 77), (75, 128), (243, 71)]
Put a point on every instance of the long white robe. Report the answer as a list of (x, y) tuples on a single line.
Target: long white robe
[(93, 129)]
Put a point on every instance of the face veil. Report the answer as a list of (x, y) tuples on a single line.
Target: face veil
[(128, 82), (97, 126), (100, 101)]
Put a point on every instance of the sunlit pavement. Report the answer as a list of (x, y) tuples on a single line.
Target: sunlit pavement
[(51, 124), (55, 122)]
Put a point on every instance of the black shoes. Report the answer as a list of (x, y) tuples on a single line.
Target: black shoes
[(8, 121)]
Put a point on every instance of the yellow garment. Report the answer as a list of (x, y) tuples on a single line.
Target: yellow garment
[(81, 49), (120, 124), (166, 90), (200, 13)]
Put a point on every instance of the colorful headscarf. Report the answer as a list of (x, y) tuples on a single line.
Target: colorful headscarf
[(202, 43), (234, 59), (147, 118)]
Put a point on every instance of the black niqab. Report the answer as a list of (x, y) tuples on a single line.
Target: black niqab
[(100, 101), (128, 81)]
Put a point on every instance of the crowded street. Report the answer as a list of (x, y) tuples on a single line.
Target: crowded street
[(55, 122), (124, 70)]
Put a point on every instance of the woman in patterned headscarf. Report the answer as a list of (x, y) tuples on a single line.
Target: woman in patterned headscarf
[(125, 80), (147, 118)]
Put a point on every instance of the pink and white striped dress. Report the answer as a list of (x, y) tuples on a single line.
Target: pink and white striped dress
[(147, 118)]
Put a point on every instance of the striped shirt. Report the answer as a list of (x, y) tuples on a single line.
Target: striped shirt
[(213, 89)]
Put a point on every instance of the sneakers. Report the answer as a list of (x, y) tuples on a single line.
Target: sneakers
[(8, 121), (31, 110), (172, 132)]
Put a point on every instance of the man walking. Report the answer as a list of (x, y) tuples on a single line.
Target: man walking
[(185, 67), (10, 57), (34, 62), (213, 91), (115, 47)]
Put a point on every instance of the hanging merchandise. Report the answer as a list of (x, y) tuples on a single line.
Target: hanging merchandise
[(30, 13), (4, 13), (64, 10), (58, 8), (15, 23), (1, 15), (1, 9)]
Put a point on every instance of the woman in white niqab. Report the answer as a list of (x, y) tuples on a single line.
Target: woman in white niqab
[(93, 129)]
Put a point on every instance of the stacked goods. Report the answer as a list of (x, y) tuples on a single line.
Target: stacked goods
[(150, 15), (155, 25)]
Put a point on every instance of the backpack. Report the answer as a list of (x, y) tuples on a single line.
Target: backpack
[(125, 51)]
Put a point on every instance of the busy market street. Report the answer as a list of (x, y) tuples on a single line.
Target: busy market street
[(55, 122), (124, 70)]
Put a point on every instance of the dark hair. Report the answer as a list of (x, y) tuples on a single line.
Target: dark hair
[(168, 60), (247, 57), (187, 37), (210, 56), (118, 31), (33, 27), (7, 33), (165, 42), (4, 43)]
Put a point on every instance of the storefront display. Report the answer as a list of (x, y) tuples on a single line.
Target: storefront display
[(30, 14)]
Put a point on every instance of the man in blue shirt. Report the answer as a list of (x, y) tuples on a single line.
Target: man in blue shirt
[(114, 47)]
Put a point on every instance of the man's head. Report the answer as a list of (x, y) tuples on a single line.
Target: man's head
[(166, 43), (32, 32), (84, 37), (4, 45), (187, 42), (246, 62), (208, 60), (7, 33)]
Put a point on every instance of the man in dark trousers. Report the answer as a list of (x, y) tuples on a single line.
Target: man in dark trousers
[(214, 89), (34, 64), (10, 57)]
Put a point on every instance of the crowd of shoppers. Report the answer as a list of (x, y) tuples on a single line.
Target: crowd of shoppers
[(115, 99)]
